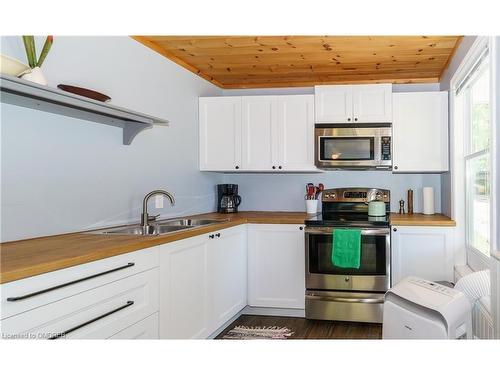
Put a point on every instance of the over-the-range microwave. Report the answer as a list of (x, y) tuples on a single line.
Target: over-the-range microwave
[(349, 146)]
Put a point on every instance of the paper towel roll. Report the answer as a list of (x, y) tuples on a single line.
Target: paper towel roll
[(428, 193)]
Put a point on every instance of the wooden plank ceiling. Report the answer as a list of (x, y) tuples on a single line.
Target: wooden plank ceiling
[(293, 61)]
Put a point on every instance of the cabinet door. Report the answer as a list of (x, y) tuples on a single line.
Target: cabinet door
[(220, 133), (227, 259), (372, 103), (184, 285), (420, 132), (260, 133), (97, 313), (276, 266), (146, 329), (296, 132), (425, 252), (333, 104), (79, 278)]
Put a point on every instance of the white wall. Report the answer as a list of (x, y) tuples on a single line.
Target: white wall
[(62, 175), (457, 59), (285, 192)]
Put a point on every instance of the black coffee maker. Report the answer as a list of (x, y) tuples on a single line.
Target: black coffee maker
[(228, 199)]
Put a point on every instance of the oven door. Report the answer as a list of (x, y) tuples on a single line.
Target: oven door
[(373, 273), (348, 147)]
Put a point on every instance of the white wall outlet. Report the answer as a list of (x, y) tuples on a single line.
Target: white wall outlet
[(158, 201)]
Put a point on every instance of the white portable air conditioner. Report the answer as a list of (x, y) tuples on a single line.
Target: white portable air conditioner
[(421, 309)]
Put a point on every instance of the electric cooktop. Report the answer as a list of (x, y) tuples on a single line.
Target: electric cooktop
[(348, 207)]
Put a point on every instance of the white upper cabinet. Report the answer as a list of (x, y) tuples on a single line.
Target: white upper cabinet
[(257, 133), (345, 104), (420, 132), (372, 103), (333, 104), (220, 133), (260, 132), (296, 132)]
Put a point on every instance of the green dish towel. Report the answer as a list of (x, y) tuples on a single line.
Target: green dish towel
[(346, 248)]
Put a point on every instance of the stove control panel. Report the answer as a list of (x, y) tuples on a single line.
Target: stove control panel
[(356, 195)]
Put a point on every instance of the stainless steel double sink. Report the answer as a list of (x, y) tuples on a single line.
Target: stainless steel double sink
[(160, 228)]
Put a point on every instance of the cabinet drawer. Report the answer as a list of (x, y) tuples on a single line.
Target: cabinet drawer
[(33, 292), (146, 329), (95, 314)]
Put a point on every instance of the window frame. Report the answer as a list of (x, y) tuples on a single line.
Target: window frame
[(474, 258)]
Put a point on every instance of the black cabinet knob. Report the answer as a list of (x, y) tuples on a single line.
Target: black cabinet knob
[(355, 119), (395, 229), (349, 119), (274, 167), (211, 236), (396, 167), (280, 167), (217, 235), (301, 228), (237, 167)]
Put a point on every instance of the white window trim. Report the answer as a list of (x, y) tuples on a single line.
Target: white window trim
[(495, 254), (495, 154), (475, 259)]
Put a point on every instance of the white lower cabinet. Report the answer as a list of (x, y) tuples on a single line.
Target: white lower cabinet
[(94, 314), (184, 289), (146, 329), (91, 301), (227, 267), (276, 265), (426, 252), (202, 283)]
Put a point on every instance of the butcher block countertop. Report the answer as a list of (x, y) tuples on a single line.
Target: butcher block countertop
[(31, 257), (25, 258), (436, 220)]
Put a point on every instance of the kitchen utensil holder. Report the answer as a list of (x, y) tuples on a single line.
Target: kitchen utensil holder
[(311, 206)]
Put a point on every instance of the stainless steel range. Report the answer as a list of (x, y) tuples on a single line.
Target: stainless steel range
[(348, 294)]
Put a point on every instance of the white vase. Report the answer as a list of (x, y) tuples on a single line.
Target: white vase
[(35, 75)]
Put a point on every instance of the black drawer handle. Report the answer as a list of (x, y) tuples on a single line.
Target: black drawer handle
[(62, 334), (26, 296)]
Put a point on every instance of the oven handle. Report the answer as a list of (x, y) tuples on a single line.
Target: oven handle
[(364, 232), (346, 299)]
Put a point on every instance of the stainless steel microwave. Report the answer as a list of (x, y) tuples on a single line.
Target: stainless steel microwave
[(360, 146)]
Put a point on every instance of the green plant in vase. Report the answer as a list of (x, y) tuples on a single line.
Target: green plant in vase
[(35, 74)]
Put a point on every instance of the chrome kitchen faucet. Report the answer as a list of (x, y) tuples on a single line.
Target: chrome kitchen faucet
[(145, 218)]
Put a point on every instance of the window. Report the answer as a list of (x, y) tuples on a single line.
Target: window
[(473, 99)]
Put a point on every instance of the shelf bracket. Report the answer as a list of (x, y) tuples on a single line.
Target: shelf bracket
[(31, 95), (131, 129)]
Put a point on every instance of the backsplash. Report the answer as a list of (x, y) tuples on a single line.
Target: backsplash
[(285, 192)]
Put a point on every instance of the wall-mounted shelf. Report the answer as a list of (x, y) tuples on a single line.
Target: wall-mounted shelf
[(32, 95)]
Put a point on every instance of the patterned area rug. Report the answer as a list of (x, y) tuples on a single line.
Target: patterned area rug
[(256, 333)]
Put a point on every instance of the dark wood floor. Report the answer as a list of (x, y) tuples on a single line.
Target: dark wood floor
[(311, 329)]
